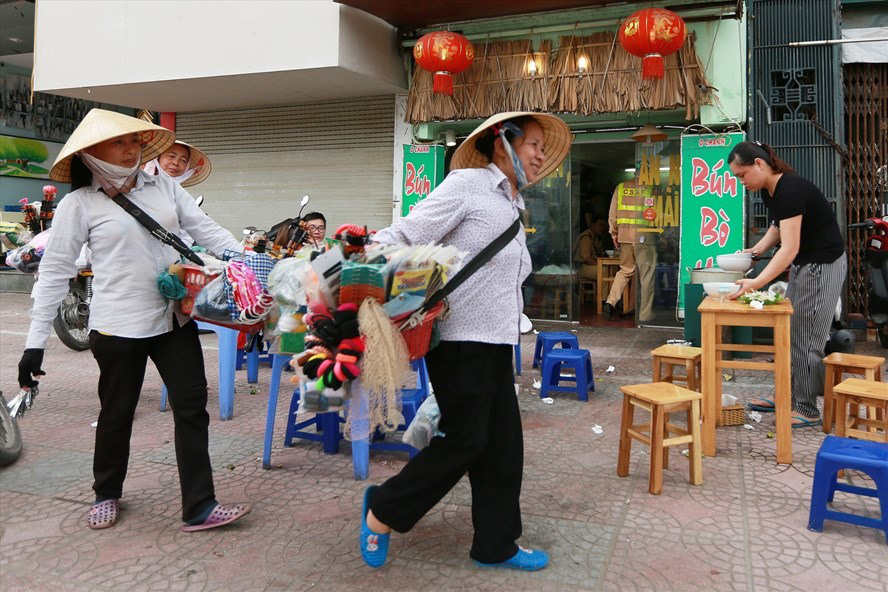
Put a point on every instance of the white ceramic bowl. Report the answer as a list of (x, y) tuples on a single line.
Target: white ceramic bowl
[(610, 252), (714, 289), (735, 262)]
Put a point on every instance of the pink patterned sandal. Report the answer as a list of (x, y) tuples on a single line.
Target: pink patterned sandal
[(220, 516), (103, 514)]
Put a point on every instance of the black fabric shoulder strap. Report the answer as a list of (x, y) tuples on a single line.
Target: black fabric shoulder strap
[(156, 230), (474, 265)]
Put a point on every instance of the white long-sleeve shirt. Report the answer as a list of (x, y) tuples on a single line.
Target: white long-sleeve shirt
[(468, 210), (126, 259)]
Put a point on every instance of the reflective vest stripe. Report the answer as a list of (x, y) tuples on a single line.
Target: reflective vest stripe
[(636, 221)]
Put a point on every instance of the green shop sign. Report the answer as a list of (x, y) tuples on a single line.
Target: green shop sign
[(423, 170), (713, 208)]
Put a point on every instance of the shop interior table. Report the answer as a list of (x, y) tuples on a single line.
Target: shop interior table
[(714, 315), (607, 271)]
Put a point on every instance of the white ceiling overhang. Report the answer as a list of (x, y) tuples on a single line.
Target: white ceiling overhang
[(237, 55)]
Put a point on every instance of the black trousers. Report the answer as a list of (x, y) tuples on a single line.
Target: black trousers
[(179, 359), (475, 387)]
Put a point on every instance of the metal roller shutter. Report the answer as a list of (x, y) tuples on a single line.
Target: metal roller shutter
[(265, 159)]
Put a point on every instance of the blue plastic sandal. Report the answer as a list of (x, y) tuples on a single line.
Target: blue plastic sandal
[(374, 546), (524, 559), (769, 408)]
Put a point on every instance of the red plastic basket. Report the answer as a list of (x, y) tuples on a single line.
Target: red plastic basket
[(417, 333)]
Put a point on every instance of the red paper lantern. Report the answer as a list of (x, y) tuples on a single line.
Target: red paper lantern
[(444, 53), (650, 34)]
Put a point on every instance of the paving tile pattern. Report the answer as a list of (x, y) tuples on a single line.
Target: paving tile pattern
[(744, 529)]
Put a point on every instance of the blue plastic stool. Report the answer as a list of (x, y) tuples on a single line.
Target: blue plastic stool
[(546, 342), (277, 365), (411, 399), (578, 359), (258, 355), (518, 358), (836, 454), (227, 357), (326, 427)]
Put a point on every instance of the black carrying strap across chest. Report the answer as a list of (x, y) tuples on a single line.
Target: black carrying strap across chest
[(474, 265), (156, 230)]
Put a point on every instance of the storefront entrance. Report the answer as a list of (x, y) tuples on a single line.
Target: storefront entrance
[(573, 204)]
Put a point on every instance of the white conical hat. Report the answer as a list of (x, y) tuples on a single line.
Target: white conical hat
[(100, 125), (556, 142), (199, 161)]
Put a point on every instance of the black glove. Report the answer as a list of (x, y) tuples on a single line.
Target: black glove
[(29, 366)]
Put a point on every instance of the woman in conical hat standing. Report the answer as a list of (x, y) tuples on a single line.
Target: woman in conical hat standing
[(471, 369), (186, 164), (130, 321)]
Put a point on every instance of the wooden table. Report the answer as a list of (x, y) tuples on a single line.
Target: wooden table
[(714, 315), (607, 271)]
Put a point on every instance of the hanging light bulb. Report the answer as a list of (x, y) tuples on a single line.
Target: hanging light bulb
[(582, 64), (450, 137), (532, 67)]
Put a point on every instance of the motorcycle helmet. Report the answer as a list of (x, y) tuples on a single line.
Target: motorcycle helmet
[(842, 341)]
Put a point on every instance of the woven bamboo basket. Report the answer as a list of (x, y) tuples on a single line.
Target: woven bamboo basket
[(733, 415)]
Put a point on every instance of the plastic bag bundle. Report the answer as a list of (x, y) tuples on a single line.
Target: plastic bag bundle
[(13, 235), (424, 426), (25, 259), (286, 282), (211, 302)]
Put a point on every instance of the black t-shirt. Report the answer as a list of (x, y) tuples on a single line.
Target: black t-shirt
[(820, 241)]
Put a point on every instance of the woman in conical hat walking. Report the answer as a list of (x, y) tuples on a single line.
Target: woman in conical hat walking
[(471, 369), (130, 321)]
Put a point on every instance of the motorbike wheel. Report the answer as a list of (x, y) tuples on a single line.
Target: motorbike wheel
[(10, 436), (882, 332), (70, 324)]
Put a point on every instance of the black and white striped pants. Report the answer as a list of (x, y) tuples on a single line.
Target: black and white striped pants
[(814, 289)]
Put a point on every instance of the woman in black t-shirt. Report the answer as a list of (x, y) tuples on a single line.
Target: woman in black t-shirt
[(811, 245)]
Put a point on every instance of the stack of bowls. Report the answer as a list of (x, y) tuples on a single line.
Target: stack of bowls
[(719, 289), (735, 262)]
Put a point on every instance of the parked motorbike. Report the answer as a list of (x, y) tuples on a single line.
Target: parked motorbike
[(289, 234), (876, 257), (10, 434), (72, 322)]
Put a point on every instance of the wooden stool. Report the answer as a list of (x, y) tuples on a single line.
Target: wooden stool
[(661, 399), (837, 365), (864, 393), (587, 289), (678, 355)]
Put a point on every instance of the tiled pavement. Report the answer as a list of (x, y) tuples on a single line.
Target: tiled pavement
[(743, 529)]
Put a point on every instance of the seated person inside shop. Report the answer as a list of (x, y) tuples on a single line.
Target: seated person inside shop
[(592, 244), (315, 225)]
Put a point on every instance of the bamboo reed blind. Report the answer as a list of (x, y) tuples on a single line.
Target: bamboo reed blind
[(499, 80)]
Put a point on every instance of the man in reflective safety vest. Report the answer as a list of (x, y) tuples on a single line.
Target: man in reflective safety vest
[(626, 216)]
